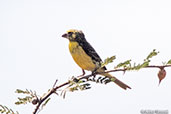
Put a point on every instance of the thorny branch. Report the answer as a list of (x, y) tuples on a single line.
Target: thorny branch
[(55, 88)]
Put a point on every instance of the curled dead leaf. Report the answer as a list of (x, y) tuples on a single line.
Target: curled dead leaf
[(161, 75)]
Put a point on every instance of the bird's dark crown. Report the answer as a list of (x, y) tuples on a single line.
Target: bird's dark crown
[(74, 35)]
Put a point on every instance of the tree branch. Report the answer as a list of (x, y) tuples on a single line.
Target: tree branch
[(54, 89)]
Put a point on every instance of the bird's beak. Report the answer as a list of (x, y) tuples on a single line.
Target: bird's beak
[(65, 35)]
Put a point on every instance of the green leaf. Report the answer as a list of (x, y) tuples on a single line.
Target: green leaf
[(108, 60), (152, 54), (113, 79), (24, 100), (6, 110), (124, 64), (139, 66), (145, 64), (22, 91), (44, 104), (169, 62)]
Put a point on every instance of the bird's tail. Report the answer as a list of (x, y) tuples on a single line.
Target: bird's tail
[(118, 82)]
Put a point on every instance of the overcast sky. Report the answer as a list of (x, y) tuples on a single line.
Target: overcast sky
[(33, 54)]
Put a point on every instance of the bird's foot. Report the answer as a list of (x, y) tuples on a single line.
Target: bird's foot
[(83, 73), (94, 73)]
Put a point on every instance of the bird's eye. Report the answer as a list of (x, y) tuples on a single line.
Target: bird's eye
[(69, 32)]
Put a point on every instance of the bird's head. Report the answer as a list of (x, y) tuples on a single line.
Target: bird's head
[(74, 35)]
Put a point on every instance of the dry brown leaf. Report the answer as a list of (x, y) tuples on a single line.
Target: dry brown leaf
[(161, 75)]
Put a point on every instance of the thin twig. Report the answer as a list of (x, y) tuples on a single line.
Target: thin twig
[(55, 83)]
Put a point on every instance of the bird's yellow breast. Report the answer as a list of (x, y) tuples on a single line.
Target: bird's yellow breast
[(80, 57)]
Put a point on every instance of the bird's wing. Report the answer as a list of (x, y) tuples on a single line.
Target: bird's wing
[(89, 50)]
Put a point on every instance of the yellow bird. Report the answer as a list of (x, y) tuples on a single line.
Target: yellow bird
[(86, 57)]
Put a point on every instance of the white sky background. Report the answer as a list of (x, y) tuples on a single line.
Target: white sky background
[(33, 54)]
